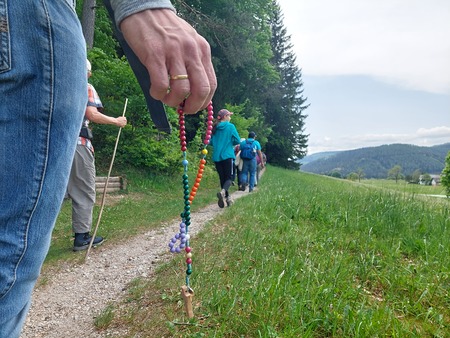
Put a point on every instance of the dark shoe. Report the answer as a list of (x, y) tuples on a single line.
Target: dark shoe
[(242, 187), (82, 241), (221, 197)]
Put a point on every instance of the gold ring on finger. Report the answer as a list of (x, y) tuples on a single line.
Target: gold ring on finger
[(179, 77)]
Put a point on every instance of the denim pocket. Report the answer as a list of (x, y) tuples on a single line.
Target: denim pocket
[(5, 54)]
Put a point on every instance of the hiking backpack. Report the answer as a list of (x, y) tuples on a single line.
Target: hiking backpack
[(248, 151)]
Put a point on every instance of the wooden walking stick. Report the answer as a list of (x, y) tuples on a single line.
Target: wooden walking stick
[(106, 186)]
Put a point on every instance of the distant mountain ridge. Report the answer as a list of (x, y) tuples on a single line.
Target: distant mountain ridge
[(377, 161), (317, 156)]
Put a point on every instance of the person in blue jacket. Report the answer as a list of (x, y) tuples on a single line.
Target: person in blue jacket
[(224, 138), (249, 167)]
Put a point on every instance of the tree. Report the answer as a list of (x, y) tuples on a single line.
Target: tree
[(360, 173), (285, 103), (445, 179), (335, 173), (395, 173), (352, 176), (415, 177), (240, 48), (88, 21)]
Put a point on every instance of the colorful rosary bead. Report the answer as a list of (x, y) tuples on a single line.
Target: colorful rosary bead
[(183, 235)]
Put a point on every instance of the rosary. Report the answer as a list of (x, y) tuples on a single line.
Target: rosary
[(183, 235)]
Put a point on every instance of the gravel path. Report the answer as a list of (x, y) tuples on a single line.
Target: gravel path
[(65, 305)]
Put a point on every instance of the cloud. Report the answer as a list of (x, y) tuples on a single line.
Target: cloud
[(403, 42), (422, 137), (436, 132)]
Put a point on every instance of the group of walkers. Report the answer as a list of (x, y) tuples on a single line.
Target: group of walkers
[(247, 169), (234, 157)]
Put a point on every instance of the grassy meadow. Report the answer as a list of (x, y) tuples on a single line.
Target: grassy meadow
[(403, 186), (303, 256)]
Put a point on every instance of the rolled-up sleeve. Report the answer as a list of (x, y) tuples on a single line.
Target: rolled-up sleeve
[(124, 8)]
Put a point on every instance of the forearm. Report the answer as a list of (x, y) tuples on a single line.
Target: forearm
[(124, 8), (102, 119), (95, 116)]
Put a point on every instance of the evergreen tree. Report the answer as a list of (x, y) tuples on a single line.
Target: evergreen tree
[(285, 105), (239, 36), (238, 32)]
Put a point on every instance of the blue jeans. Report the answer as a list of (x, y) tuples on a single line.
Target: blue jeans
[(43, 95), (249, 170)]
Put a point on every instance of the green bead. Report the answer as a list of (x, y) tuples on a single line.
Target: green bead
[(188, 271), (185, 176)]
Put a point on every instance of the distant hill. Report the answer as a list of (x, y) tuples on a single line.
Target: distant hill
[(317, 156), (377, 161)]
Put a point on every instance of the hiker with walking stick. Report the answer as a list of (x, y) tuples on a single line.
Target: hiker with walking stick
[(81, 187), (43, 100)]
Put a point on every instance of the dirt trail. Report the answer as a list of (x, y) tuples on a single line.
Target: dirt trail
[(65, 305)]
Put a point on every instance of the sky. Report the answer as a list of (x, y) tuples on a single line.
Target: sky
[(374, 71)]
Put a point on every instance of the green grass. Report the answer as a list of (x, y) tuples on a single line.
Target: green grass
[(404, 186), (306, 256)]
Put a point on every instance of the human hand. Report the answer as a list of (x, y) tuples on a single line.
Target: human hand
[(168, 46), (121, 121)]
